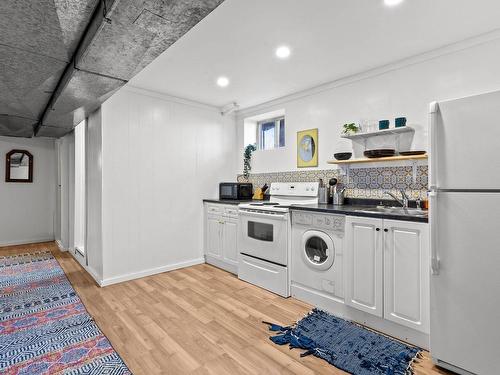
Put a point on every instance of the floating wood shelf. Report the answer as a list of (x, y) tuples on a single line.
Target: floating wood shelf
[(403, 129), (375, 160)]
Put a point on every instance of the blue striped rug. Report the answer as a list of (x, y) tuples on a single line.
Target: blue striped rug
[(346, 345), (44, 327)]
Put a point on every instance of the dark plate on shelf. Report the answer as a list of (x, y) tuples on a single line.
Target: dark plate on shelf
[(380, 153), (410, 153), (342, 155)]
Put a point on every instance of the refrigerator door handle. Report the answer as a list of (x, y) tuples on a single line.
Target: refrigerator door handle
[(433, 122), (433, 232)]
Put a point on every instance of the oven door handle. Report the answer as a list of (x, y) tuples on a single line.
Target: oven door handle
[(277, 216)]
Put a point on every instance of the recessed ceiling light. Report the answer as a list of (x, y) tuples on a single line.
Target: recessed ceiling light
[(391, 3), (282, 52), (222, 81)]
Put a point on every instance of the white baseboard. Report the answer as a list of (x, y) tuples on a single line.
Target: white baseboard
[(94, 275), (26, 241), (60, 245), (151, 271), (221, 264)]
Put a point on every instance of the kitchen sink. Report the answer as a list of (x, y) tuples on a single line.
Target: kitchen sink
[(394, 210)]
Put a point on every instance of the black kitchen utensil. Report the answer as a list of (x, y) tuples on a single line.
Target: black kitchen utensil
[(410, 153), (342, 155), (379, 153)]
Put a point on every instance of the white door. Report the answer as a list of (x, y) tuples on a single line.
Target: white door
[(464, 136), (80, 212), (229, 241), (406, 274), (465, 298), (364, 264), (214, 236)]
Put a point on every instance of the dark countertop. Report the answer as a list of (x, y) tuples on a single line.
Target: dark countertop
[(352, 210), (229, 201)]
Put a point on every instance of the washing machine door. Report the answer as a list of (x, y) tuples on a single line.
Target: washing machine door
[(318, 250)]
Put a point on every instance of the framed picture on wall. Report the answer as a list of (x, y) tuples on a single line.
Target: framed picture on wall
[(307, 148)]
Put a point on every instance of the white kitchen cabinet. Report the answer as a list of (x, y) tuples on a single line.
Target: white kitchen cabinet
[(387, 264), (364, 264), (406, 274), (213, 243), (229, 241), (221, 233)]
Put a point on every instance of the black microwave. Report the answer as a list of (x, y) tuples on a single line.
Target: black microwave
[(235, 190)]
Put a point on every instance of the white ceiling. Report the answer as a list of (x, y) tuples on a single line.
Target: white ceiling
[(330, 39)]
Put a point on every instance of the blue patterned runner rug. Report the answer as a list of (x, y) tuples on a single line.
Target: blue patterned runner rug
[(346, 345), (44, 326)]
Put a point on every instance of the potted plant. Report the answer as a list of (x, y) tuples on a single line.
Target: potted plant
[(350, 129), (247, 157)]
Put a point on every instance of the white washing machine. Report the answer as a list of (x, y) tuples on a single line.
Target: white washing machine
[(317, 256)]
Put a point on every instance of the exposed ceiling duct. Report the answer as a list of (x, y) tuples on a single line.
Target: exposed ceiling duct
[(60, 59)]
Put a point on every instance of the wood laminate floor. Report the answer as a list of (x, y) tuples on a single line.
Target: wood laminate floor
[(197, 320)]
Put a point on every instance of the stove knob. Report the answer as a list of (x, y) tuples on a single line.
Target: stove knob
[(307, 189)]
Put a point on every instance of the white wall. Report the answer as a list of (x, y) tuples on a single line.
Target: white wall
[(405, 88), (27, 210), (160, 157)]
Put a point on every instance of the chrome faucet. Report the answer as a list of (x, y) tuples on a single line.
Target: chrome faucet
[(404, 198)]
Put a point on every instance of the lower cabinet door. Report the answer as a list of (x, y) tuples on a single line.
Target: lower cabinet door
[(229, 241), (214, 236), (406, 274), (363, 254)]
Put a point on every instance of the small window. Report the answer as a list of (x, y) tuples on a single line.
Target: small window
[(271, 133)]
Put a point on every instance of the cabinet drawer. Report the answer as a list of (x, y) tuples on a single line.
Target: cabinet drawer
[(264, 274), (231, 211), (215, 209)]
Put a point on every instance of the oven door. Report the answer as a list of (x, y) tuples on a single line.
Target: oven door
[(264, 235)]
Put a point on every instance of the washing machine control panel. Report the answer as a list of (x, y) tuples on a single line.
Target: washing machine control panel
[(321, 221)]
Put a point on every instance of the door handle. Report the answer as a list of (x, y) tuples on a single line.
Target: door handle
[(433, 232)]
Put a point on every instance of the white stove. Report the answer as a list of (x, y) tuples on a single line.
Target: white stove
[(286, 194), (264, 238)]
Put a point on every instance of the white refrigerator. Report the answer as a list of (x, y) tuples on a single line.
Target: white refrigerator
[(464, 215)]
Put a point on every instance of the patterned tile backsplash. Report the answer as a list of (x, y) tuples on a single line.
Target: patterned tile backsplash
[(359, 183)]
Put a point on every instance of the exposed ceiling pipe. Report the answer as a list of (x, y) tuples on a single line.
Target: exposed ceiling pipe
[(122, 37), (61, 60), (99, 16)]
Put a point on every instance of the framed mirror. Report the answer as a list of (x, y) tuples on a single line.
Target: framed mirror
[(19, 166)]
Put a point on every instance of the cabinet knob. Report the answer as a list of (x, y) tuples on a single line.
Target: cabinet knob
[(386, 230), (377, 229)]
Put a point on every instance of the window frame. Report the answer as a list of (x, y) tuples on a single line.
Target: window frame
[(277, 127)]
